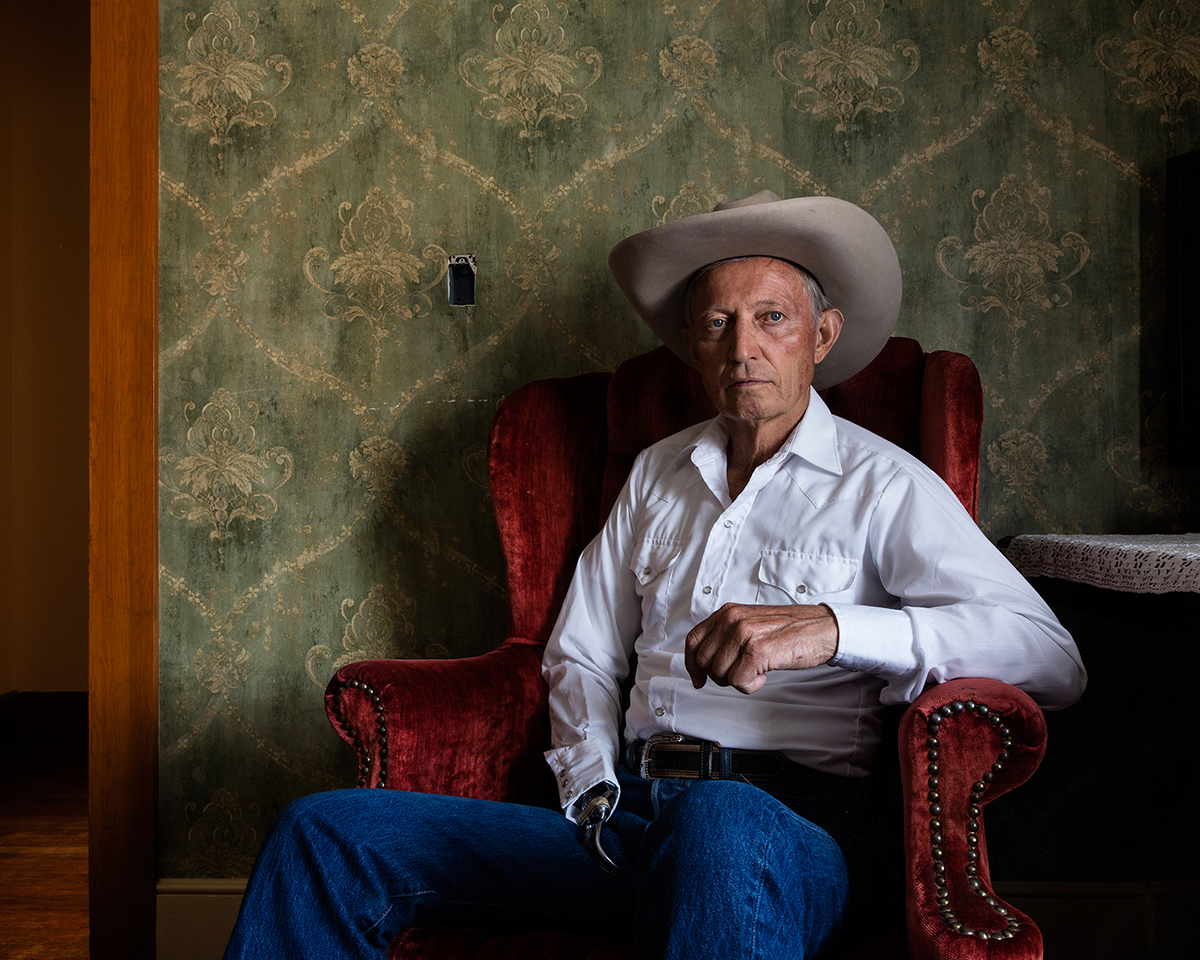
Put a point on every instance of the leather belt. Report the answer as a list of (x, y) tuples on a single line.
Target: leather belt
[(673, 755)]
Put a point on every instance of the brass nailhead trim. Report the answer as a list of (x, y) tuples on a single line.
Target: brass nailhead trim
[(364, 755), (974, 812)]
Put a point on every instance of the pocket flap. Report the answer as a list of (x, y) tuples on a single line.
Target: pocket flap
[(652, 558), (805, 577)]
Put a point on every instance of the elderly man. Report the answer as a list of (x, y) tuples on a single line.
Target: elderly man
[(779, 574)]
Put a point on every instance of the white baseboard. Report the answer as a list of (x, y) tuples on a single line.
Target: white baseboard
[(195, 917)]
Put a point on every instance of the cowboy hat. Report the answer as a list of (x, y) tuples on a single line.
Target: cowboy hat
[(841, 245)]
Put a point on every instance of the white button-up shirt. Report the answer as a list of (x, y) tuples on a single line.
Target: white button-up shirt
[(838, 516)]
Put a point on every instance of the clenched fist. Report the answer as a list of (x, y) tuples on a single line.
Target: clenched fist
[(741, 643)]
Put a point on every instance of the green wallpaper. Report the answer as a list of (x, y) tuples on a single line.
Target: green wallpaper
[(324, 411)]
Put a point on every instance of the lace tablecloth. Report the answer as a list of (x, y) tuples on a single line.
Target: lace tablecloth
[(1133, 564)]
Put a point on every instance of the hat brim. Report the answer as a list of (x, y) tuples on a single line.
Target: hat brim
[(840, 244)]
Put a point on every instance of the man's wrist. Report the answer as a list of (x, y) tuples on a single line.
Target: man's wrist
[(837, 635)]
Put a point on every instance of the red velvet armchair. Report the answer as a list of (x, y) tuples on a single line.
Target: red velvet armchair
[(559, 453)]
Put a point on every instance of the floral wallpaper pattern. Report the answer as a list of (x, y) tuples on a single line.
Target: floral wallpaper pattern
[(324, 412), (846, 64)]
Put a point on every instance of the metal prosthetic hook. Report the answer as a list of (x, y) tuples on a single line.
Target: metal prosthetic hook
[(592, 825)]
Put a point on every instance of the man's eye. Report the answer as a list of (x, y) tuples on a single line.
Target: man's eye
[(716, 323), (774, 316)]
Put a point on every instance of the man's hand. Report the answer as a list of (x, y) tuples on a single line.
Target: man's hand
[(739, 644)]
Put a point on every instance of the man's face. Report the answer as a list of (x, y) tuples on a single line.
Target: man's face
[(752, 339)]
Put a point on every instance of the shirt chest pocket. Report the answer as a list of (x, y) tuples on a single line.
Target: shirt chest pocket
[(785, 577), (653, 565)]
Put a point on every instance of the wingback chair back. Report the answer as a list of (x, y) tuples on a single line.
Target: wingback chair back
[(929, 404), (559, 452)]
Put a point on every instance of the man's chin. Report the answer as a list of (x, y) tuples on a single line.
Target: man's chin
[(750, 412), (745, 407)]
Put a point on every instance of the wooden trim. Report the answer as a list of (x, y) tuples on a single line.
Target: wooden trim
[(123, 496), (8, 553)]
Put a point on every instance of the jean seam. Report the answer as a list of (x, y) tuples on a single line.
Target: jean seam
[(762, 872), (379, 921)]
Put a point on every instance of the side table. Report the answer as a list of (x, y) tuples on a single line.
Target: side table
[(1104, 836)]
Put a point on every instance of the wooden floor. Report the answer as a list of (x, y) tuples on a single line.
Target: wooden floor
[(43, 857)]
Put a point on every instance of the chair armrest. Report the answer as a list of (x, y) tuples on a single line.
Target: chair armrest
[(962, 744), (474, 727)]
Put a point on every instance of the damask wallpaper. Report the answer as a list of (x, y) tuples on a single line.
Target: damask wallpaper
[(324, 411)]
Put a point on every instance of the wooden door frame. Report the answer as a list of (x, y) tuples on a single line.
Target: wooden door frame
[(123, 478)]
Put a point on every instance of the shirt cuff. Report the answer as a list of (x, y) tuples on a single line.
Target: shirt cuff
[(579, 767), (874, 640)]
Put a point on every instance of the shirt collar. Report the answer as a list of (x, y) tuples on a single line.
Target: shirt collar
[(814, 440), (711, 443)]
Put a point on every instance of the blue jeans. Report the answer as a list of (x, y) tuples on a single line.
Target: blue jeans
[(716, 869)]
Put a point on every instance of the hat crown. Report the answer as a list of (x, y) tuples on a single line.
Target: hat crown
[(763, 196)]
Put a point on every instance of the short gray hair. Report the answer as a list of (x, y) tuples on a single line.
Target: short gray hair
[(817, 301)]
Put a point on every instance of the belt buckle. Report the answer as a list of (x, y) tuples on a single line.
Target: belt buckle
[(653, 741)]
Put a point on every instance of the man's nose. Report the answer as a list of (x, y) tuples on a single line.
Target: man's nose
[(743, 345)]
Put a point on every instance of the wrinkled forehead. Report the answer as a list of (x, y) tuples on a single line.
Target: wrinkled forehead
[(762, 268)]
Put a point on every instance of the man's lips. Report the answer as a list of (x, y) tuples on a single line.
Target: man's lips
[(747, 382)]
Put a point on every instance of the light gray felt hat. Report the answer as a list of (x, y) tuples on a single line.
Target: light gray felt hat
[(841, 245)]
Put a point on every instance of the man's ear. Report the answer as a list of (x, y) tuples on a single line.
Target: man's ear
[(829, 328)]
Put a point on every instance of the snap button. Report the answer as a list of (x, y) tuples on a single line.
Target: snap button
[(648, 571), (801, 588), (659, 712), (728, 524), (707, 591)]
